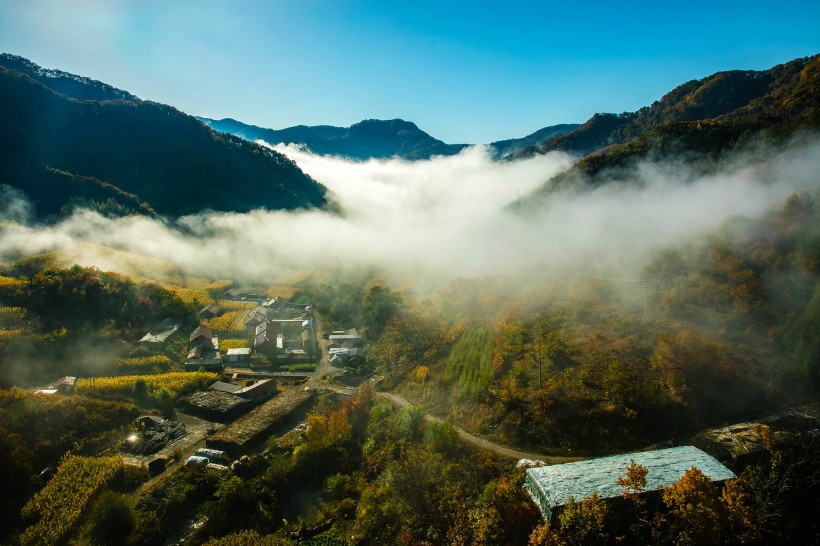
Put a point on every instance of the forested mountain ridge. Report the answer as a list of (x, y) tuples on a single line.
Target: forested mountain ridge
[(502, 148), (370, 138), (70, 85), (374, 138), (703, 118), (127, 155)]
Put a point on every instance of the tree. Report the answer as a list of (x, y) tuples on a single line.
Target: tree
[(379, 306), (112, 519), (583, 523), (696, 515)]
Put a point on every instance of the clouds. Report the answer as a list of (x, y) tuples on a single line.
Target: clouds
[(443, 218)]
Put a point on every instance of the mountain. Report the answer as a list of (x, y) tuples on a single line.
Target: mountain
[(67, 140), (701, 118), (70, 85), (504, 148), (371, 138)]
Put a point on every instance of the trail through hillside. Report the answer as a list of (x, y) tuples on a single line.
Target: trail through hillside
[(483, 443)]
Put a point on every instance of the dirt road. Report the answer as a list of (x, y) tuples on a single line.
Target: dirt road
[(483, 443)]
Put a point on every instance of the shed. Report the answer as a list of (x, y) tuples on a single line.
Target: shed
[(224, 387), (260, 389), (265, 343), (66, 384), (551, 487), (210, 311), (238, 357), (202, 337)]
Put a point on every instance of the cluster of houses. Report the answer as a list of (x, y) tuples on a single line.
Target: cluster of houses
[(345, 349), (280, 332)]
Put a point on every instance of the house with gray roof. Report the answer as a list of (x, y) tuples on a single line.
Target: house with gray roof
[(551, 487)]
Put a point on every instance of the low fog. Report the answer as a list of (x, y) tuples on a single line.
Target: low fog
[(441, 218)]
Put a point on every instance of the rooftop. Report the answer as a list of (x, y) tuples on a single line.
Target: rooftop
[(581, 479)]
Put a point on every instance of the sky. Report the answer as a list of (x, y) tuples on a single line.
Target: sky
[(465, 72)]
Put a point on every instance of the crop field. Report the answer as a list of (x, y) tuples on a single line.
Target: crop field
[(470, 362), (286, 292), (56, 509), (144, 364), (178, 382), (232, 321), (232, 343)]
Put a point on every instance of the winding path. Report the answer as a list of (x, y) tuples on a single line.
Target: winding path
[(483, 443)]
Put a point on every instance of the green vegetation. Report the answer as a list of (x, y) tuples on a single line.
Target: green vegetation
[(703, 119), (83, 316), (131, 155), (55, 510), (470, 363)]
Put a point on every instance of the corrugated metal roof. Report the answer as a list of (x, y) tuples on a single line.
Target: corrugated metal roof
[(558, 483)]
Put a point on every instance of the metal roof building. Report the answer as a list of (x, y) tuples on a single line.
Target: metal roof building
[(552, 486)]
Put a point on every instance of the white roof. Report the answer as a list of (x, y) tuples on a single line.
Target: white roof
[(579, 480)]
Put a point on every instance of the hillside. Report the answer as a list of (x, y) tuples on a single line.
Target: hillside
[(371, 138), (375, 138), (703, 118), (126, 155), (504, 148)]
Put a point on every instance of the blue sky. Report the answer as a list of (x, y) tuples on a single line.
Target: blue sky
[(462, 71)]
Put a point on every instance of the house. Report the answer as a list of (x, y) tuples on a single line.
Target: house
[(206, 358), (202, 337), (240, 357), (551, 487), (210, 311), (308, 341), (268, 342), (341, 357), (221, 386), (66, 384), (258, 390)]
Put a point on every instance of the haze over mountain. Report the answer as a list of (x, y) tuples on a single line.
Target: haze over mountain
[(70, 140), (371, 138), (374, 138)]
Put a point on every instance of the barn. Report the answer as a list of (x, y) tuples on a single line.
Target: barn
[(551, 487)]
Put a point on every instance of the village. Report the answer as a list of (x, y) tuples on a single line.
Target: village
[(258, 395)]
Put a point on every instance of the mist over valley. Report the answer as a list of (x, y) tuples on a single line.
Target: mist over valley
[(365, 335)]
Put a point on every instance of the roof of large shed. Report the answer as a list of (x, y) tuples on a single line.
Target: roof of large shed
[(583, 478)]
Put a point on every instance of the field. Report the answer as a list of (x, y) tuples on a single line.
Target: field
[(470, 363), (178, 382), (231, 321), (58, 507), (145, 364)]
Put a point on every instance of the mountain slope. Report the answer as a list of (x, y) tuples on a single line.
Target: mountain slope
[(504, 148), (70, 85), (143, 155), (371, 138), (701, 118)]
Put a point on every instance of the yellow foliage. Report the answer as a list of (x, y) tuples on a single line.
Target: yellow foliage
[(145, 363), (123, 385), (230, 305), (232, 321), (11, 282), (7, 334), (234, 343), (286, 292), (61, 503), (422, 373)]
